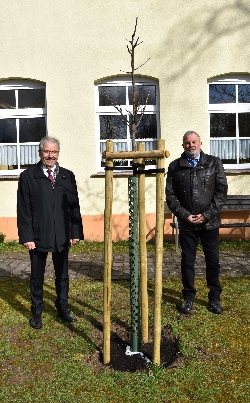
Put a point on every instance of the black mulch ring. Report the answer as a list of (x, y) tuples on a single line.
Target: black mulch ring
[(170, 356)]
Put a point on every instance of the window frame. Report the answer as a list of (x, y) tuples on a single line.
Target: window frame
[(19, 113), (111, 110), (234, 108)]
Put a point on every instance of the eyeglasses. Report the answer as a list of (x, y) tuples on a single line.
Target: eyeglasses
[(53, 152)]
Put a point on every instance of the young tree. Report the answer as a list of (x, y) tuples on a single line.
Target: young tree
[(136, 97), (139, 100)]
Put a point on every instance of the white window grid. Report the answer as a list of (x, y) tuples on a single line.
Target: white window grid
[(228, 145), (125, 144), (20, 153)]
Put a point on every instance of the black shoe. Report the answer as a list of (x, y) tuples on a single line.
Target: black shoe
[(66, 315), (215, 306), (187, 306), (36, 322)]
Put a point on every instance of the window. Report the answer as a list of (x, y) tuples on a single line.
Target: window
[(22, 124), (112, 125), (229, 120)]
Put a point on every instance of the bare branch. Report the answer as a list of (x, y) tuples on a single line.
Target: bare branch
[(118, 108), (136, 68)]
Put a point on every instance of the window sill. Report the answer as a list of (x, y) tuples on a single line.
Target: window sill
[(121, 174), (126, 174), (237, 170), (15, 177)]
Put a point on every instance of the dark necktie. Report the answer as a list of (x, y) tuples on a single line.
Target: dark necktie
[(50, 176)]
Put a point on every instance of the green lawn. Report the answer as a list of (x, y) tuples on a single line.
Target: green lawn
[(50, 364), (123, 246)]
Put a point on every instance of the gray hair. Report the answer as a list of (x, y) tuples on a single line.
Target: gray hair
[(48, 139), (190, 132)]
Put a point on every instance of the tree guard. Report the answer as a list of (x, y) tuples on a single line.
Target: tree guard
[(134, 263)]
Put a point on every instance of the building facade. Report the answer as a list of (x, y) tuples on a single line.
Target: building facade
[(65, 64)]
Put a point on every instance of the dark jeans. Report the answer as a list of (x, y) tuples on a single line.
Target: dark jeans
[(210, 243), (38, 263)]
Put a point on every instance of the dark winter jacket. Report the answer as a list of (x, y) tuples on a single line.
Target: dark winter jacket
[(199, 190), (49, 216)]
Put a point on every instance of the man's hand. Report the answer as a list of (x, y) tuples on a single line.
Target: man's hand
[(29, 245), (197, 219), (74, 241)]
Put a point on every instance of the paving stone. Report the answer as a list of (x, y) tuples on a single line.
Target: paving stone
[(91, 266)]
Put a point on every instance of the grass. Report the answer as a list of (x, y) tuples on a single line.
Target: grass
[(51, 364), (240, 246)]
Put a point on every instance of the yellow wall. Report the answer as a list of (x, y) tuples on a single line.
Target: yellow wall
[(70, 44)]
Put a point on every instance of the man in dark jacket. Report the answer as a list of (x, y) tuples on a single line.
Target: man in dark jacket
[(49, 220), (196, 189)]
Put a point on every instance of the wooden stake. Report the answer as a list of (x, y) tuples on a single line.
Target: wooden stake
[(152, 154), (107, 254), (143, 251), (158, 255)]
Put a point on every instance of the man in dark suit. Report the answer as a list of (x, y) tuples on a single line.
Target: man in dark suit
[(49, 220)]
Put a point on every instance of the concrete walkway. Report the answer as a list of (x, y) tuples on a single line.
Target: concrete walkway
[(90, 267)]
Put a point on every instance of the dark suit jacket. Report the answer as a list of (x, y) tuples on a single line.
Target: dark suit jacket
[(49, 216)]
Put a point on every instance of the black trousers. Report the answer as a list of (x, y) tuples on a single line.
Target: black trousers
[(38, 263), (210, 243)]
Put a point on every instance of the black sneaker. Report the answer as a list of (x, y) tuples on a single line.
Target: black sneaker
[(187, 306), (215, 307), (36, 322)]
